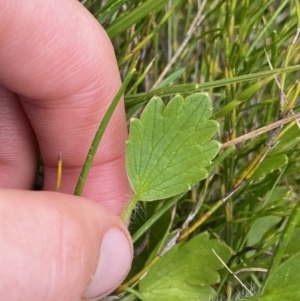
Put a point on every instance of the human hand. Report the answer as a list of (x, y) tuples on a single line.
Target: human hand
[(58, 76)]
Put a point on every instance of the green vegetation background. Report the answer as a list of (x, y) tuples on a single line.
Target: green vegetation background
[(231, 50)]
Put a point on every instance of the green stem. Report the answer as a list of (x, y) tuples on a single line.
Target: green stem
[(96, 141), (147, 225), (129, 297), (134, 99), (130, 206), (284, 239)]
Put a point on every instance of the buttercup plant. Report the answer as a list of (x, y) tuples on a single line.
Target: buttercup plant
[(169, 147)]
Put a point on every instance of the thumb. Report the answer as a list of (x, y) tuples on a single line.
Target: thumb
[(59, 247)]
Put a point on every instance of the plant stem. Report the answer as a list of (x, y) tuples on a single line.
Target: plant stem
[(128, 209), (98, 136), (284, 239)]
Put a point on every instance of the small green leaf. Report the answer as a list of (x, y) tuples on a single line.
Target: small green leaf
[(259, 229), (172, 77), (134, 16), (293, 245), (169, 147), (269, 165), (283, 284), (105, 13), (288, 141), (186, 272)]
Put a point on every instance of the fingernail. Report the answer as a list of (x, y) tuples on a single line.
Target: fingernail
[(114, 263)]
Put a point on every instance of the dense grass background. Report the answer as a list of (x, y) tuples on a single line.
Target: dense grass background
[(230, 49)]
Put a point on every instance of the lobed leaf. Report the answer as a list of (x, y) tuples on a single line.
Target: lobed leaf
[(186, 272), (169, 146)]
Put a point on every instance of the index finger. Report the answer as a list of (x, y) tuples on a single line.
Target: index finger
[(60, 62)]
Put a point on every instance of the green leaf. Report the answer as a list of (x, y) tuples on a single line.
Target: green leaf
[(259, 229), (186, 272), (288, 141), (269, 165), (169, 147), (172, 77), (105, 13), (293, 245), (133, 17), (283, 284), (243, 96), (134, 99)]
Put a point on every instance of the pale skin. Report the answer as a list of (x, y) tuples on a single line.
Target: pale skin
[(58, 74)]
